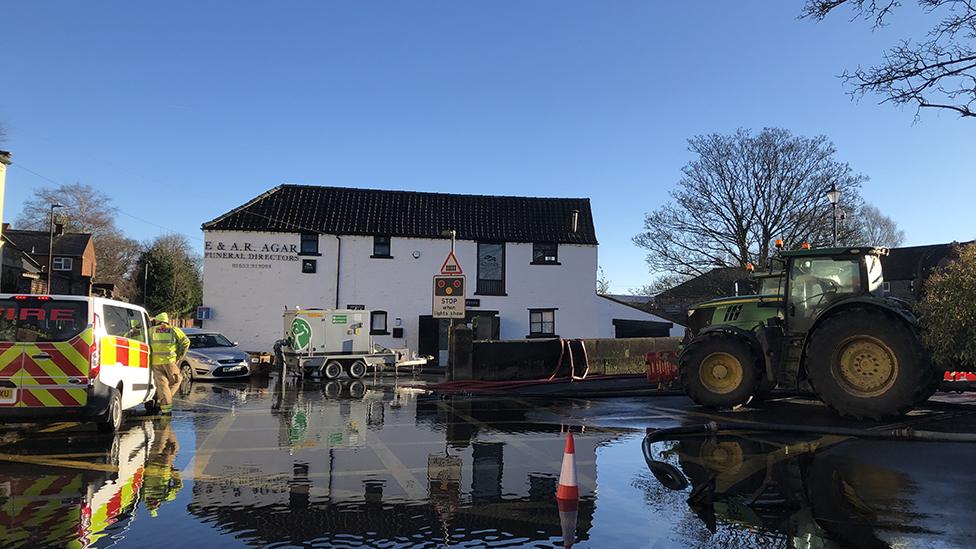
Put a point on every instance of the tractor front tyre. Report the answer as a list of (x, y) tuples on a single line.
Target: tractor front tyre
[(720, 370), (868, 364)]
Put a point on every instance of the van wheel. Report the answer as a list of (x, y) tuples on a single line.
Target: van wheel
[(357, 369), (112, 420)]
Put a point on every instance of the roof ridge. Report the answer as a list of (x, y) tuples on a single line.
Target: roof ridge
[(435, 193)]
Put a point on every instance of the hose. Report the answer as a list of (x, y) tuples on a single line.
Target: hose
[(672, 478)]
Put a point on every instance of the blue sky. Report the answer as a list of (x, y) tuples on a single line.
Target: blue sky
[(183, 110)]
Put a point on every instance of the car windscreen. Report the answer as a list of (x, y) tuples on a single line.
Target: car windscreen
[(203, 341), (29, 319)]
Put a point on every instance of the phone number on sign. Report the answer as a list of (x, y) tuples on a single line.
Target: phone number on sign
[(251, 265)]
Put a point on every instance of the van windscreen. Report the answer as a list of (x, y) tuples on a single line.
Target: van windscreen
[(28, 319)]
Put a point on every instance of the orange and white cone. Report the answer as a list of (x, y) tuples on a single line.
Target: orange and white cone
[(568, 487)]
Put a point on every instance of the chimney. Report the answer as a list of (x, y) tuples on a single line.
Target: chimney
[(574, 221)]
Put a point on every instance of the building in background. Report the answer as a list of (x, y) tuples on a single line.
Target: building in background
[(530, 263), (73, 262)]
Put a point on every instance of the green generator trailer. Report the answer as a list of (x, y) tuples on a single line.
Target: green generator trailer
[(820, 317)]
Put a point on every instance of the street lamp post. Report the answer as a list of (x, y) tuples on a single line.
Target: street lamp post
[(145, 286), (50, 246), (833, 195)]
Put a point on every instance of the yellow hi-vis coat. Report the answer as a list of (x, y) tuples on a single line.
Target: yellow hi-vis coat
[(168, 343)]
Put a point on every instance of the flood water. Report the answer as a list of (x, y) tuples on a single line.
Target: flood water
[(383, 463)]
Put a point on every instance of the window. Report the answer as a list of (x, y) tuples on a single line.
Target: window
[(209, 341), (545, 253), (31, 319), (491, 269), (542, 322), (62, 264), (122, 322), (818, 282), (309, 265), (381, 246), (310, 244), (377, 323)]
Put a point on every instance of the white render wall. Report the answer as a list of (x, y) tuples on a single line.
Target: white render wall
[(248, 293)]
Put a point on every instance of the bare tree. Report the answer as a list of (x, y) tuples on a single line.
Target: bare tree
[(938, 71), (87, 210), (602, 283), (739, 194), (877, 229)]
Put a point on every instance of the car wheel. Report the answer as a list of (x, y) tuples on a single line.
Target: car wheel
[(357, 369), (186, 372), (112, 419)]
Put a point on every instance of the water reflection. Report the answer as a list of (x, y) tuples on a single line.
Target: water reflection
[(826, 492), (75, 503), (385, 465)]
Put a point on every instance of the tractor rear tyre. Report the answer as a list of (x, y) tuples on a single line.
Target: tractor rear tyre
[(720, 370), (867, 363)]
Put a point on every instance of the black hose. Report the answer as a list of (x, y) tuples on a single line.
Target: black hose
[(672, 478)]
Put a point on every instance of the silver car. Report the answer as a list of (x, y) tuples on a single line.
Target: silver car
[(213, 356)]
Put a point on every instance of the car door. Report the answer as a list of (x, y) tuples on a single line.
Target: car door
[(125, 349)]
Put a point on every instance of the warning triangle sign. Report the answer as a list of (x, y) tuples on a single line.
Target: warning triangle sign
[(451, 265)]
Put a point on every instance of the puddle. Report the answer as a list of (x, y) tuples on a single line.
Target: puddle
[(380, 464)]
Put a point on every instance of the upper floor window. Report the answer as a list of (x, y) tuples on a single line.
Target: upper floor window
[(545, 253), (62, 264), (310, 243), (491, 268), (381, 246)]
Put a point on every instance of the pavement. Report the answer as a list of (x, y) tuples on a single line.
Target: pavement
[(383, 463)]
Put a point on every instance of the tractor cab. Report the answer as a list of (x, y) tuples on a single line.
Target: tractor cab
[(821, 278)]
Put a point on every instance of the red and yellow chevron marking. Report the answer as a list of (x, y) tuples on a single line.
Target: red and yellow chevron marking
[(127, 352), (41, 510), (33, 366)]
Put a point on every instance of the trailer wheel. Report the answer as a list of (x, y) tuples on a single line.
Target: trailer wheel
[(357, 389), (357, 369), (332, 369), (719, 370), (865, 363)]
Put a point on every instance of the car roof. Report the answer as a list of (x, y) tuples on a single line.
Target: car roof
[(198, 331)]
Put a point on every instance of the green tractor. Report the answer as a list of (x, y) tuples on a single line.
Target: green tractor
[(820, 317)]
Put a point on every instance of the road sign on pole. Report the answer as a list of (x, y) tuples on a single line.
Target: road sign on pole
[(451, 265), (448, 297)]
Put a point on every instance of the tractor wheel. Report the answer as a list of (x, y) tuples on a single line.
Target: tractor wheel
[(865, 363), (719, 370)]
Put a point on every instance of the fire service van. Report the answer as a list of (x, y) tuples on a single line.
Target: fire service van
[(78, 358)]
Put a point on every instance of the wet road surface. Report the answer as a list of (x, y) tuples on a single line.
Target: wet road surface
[(382, 463)]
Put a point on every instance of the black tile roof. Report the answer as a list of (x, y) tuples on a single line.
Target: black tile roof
[(342, 210), (37, 242)]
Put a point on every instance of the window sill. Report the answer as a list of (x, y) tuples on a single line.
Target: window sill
[(381, 257), (542, 336), (545, 263), (309, 254), (379, 333)]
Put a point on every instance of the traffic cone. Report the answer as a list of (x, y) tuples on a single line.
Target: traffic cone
[(568, 488), (568, 513)]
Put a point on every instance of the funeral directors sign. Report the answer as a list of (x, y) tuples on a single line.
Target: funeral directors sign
[(250, 254)]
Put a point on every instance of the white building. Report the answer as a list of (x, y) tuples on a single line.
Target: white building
[(530, 263)]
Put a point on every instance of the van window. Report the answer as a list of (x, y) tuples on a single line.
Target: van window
[(123, 322), (28, 319)]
